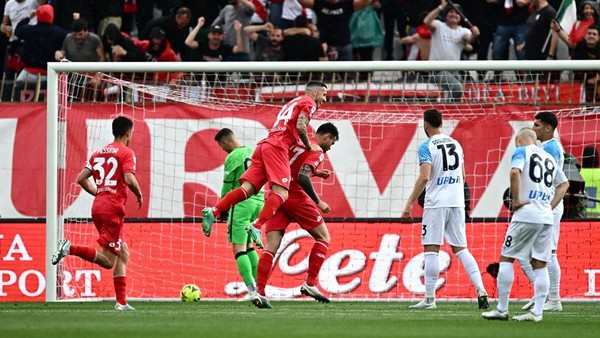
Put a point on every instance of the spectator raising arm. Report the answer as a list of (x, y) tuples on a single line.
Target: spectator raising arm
[(190, 41), (429, 20), (252, 31), (239, 43)]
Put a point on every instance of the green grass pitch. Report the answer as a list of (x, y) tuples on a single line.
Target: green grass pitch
[(287, 320)]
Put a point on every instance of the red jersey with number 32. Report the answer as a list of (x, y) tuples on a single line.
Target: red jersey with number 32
[(108, 166), (299, 156), (284, 133)]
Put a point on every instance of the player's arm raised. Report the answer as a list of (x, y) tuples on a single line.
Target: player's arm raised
[(134, 186), (424, 174), (304, 179), (84, 181), (302, 127)]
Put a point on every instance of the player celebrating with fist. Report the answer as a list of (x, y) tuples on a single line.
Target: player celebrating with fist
[(270, 160)]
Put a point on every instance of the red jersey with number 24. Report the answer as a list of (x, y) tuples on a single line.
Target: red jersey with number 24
[(300, 155), (284, 133), (108, 166)]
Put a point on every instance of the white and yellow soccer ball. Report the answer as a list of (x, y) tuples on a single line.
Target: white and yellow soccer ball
[(190, 293)]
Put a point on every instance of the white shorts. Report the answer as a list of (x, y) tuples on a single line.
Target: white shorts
[(528, 240), (440, 221), (556, 229)]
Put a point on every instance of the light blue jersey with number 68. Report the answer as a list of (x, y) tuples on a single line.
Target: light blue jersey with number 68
[(446, 184), (540, 174)]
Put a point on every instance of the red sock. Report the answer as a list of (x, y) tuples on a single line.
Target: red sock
[(230, 199), (85, 252), (265, 264), (271, 205), (315, 261), (120, 288)]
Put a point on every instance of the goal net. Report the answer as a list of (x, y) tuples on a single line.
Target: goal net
[(177, 109)]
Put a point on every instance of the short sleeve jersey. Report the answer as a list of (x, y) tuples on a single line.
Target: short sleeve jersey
[(553, 147), (540, 174), (300, 155), (445, 187), (284, 133), (235, 165), (109, 166)]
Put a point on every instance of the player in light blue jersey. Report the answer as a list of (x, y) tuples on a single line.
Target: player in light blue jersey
[(538, 185), (441, 173), (544, 126)]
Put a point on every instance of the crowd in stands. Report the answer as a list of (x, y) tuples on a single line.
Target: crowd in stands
[(35, 32)]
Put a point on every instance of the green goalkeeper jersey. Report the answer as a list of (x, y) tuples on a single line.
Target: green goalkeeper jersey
[(236, 164)]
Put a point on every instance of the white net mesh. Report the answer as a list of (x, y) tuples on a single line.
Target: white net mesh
[(372, 255)]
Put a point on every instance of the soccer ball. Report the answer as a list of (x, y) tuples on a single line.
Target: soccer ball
[(190, 293)]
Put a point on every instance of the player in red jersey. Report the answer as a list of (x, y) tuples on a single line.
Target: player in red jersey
[(270, 160), (301, 207), (113, 170)]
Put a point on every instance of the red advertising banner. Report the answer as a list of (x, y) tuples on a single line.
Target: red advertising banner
[(179, 165), (365, 261)]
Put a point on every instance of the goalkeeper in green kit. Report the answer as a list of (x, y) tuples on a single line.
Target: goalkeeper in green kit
[(242, 213)]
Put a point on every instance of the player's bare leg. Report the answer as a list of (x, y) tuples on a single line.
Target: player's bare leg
[(315, 261), (432, 272), (230, 199), (120, 279), (472, 269)]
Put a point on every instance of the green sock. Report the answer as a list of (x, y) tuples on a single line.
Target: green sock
[(253, 256), (244, 268)]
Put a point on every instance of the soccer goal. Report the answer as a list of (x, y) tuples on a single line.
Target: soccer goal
[(177, 109)]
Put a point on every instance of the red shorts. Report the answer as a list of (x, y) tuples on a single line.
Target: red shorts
[(110, 228), (297, 208), (269, 164)]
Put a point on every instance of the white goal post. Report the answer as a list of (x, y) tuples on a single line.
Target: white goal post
[(383, 93)]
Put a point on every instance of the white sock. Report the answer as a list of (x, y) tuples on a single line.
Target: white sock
[(527, 269), (432, 272), (471, 267), (541, 285), (506, 276), (554, 273)]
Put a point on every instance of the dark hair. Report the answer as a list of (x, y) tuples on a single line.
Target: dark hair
[(184, 11), (548, 118), (590, 158), (225, 132), (433, 117), (593, 26), (79, 25), (121, 125), (316, 84), (301, 21), (328, 128)]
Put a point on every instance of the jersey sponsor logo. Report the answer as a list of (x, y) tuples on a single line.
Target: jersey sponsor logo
[(448, 180), (539, 195)]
